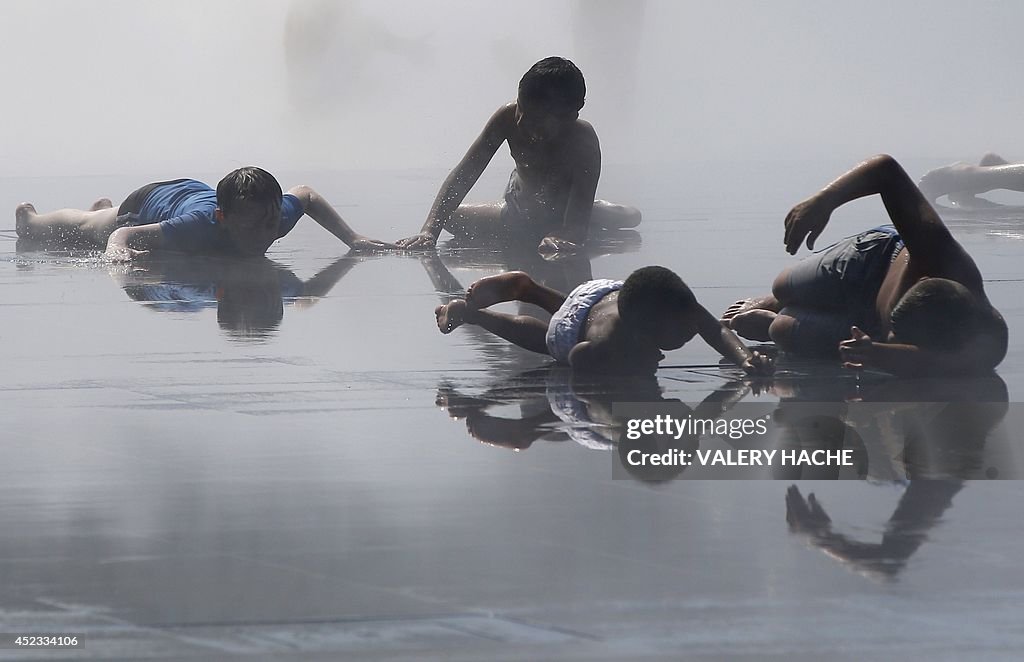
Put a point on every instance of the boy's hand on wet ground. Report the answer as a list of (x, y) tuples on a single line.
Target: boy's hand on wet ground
[(858, 350), (422, 241), (552, 244), (367, 244), (807, 219), (759, 365), (124, 254)]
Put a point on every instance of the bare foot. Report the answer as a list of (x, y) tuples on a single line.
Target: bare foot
[(495, 289), (451, 315), (767, 302), (102, 203), (458, 405), (22, 214), (752, 324)]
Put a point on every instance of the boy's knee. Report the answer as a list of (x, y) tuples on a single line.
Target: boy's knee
[(630, 216), (780, 286), (612, 216), (782, 331)]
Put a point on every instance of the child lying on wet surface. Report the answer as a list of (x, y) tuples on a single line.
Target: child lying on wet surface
[(906, 298), (602, 325), (245, 215)]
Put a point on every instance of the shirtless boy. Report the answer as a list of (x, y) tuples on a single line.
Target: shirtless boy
[(244, 216), (602, 325), (550, 195), (962, 182), (912, 287)]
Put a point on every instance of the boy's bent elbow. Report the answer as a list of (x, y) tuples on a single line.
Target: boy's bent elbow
[(888, 166), (304, 193)]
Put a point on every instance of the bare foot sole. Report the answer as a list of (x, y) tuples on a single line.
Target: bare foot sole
[(495, 289), (102, 203), (22, 214), (767, 302), (752, 324), (451, 315)]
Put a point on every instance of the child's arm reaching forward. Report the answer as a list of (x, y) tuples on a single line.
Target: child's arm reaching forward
[(321, 211), (460, 180), (728, 344), (912, 361)]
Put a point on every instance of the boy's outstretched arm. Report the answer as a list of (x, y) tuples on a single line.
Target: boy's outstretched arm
[(728, 344), (321, 211), (979, 357), (932, 248), (324, 281), (460, 180), (134, 241)]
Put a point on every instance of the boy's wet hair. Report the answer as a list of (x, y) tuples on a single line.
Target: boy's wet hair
[(250, 184), (648, 292), (554, 81), (250, 311), (942, 314)]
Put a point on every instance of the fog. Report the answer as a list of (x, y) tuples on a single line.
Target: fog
[(129, 86)]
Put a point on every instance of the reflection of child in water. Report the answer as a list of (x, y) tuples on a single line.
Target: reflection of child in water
[(249, 294), (581, 410)]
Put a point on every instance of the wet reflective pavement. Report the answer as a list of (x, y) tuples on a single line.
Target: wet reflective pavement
[(283, 458)]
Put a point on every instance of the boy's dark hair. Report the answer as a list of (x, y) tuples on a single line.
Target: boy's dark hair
[(942, 314), (648, 291), (251, 184), (554, 81), (250, 311)]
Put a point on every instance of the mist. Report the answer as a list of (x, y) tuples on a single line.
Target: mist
[(125, 87)]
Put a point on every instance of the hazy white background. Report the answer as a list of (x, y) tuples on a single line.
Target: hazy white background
[(129, 86)]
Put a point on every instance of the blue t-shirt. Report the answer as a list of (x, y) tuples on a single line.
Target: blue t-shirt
[(185, 211), (189, 297)]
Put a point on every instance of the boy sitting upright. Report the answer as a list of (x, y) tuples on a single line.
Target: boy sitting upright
[(602, 325), (550, 195), (244, 216)]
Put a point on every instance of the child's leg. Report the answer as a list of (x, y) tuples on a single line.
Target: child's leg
[(810, 331), (526, 332), (517, 433), (513, 286), (66, 224), (800, 285), (477, 222), (614, 217)]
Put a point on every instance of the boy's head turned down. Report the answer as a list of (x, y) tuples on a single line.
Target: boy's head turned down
[(553, 90), (943, 315), (249, 209), (656, 302)]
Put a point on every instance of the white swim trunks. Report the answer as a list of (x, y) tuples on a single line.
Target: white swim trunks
[(565, 326)]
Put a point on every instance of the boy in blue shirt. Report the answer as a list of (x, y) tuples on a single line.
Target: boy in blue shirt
[(244, 216)]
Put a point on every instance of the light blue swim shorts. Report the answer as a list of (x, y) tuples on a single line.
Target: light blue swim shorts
[(565, 326), (573, 412)]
